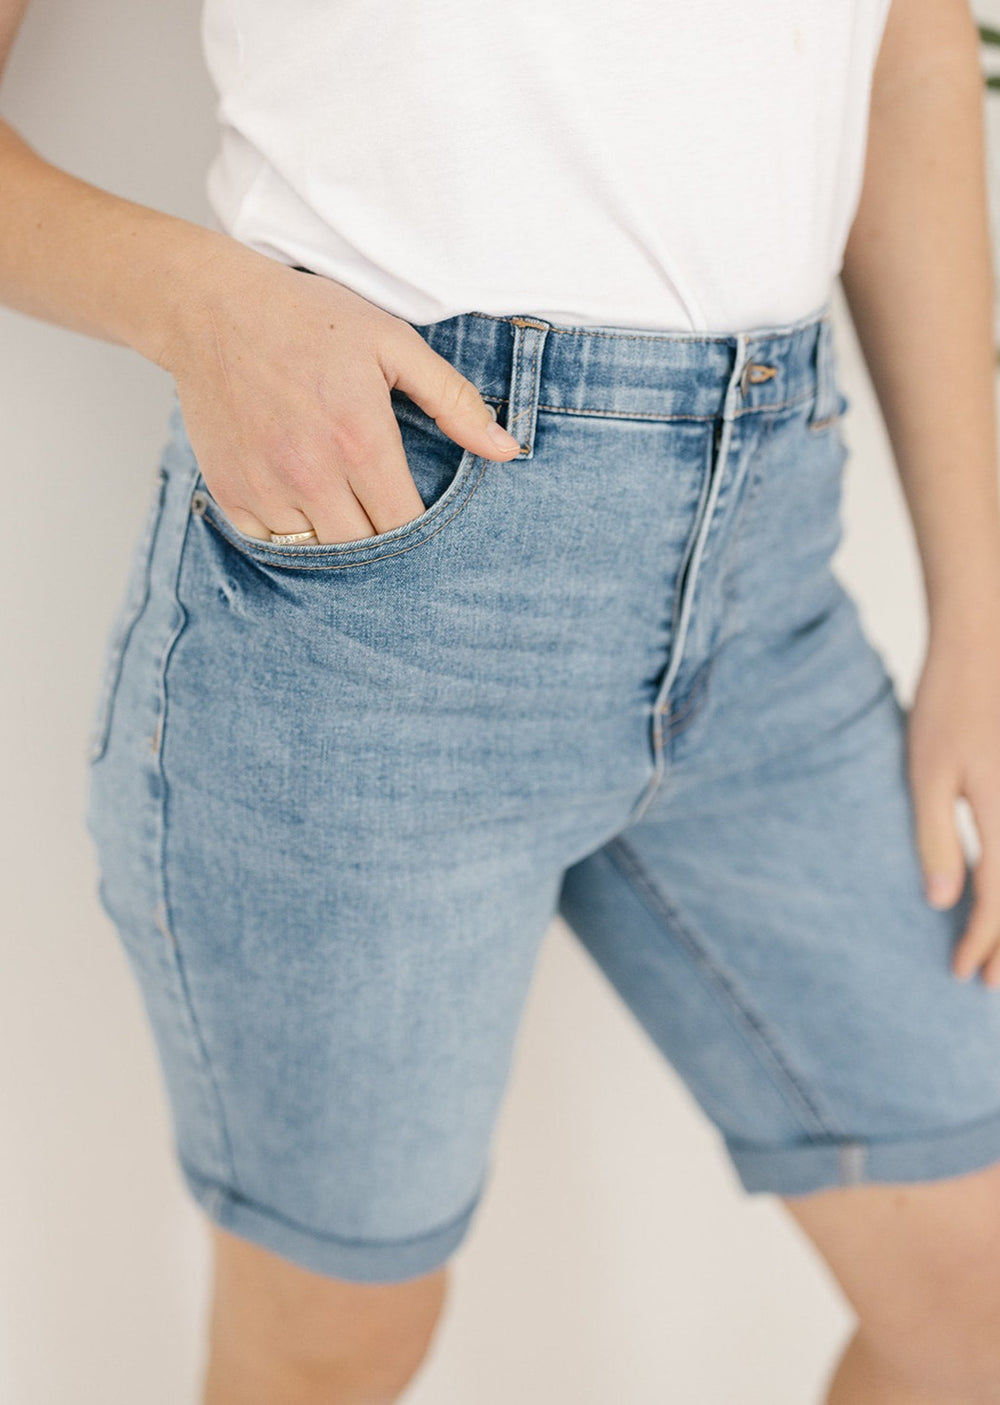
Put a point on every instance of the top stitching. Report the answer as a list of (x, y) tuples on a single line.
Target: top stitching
[(652, 415)]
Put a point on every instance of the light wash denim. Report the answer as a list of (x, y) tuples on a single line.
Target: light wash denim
[(338, 793)]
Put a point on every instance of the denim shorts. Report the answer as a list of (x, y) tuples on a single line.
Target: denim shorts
[(339, 792)]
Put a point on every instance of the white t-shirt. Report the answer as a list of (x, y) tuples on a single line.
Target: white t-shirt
[(672, 164)]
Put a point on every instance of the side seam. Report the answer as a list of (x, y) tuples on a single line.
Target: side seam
[(214, 1118)]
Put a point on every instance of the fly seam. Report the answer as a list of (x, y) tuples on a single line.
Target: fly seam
[(675, 719)]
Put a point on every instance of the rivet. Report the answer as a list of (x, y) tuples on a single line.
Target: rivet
[(199, 502)]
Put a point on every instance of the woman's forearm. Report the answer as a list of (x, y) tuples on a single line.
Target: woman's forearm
[(918, 279), (90, 261)]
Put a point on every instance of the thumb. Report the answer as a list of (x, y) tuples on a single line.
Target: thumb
[(939, 846), (451, 400)]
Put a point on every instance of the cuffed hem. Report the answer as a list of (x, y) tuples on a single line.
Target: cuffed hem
[(357, 1260), (817, 1164)]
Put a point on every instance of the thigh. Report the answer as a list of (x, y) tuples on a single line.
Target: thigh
[(334, 790), (764, 917), (331, 889)]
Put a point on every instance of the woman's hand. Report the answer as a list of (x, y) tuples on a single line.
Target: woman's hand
[(284, 378), (954, 749)]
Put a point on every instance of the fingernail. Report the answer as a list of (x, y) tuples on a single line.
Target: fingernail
[(500, 437), (939, 889)]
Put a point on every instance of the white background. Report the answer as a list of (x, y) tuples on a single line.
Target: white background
[(615, 1258)]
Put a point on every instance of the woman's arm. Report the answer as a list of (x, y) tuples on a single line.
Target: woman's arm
[(918, 279), (917, 276), (90, 261), (283, 378), (78, 256)]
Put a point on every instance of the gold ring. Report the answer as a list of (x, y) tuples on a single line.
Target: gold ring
[(289, 538)]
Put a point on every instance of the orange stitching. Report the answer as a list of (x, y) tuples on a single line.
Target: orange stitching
[(651, 415)]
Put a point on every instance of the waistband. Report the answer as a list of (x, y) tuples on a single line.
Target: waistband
[(523, 365)]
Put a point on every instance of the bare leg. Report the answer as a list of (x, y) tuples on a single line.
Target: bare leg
[(861, 1379), (920, 1265), (281, 1335)]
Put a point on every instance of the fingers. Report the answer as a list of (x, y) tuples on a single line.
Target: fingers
[(372, 491), (943, 861), (338, 516), (250, 525), (981, 938), (283, 456), (357, 484), (942, 858), (450, 399), (369, 447), (980, 942)]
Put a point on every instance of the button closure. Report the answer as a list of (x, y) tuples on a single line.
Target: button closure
[(754, 372)]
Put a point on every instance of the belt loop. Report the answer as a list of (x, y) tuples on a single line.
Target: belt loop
[(525, 378), (826, 404), (735, 384), (851, 1159)]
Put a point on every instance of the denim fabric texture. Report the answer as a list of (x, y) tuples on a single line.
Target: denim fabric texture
[(338, 793)]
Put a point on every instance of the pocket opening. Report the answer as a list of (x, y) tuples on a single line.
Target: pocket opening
[(318, 556), (817, 426)]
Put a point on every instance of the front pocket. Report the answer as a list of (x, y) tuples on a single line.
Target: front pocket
[(129, 610), (446, 476), (820, 426)]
